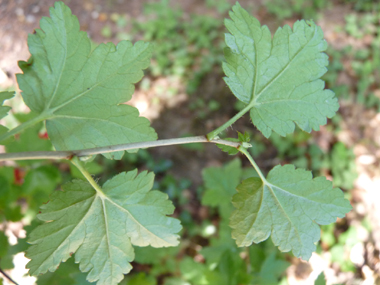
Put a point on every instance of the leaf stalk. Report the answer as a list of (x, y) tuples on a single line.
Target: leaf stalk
[(78, 164), (211, 135), (254, 164)]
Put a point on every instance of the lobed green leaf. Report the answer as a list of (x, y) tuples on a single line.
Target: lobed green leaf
[(220, 184), (271, 269), (288, 206), (80, 92), (244, 137), (100, 228), (279, 77)]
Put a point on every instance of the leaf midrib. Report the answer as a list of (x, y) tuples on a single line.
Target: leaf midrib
[(133, 218), (107, 235), (61, 70), (302, 197), (89, 89), (292, 194), (283, 210), (282, 100), (256, 97), (253, 88)]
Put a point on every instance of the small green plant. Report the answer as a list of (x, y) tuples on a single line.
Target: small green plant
[(78, 92), (289, 8), (187, 49), (364, 61), (365, 5), (343, 168)]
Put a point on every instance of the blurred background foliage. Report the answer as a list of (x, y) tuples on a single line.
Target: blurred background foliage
[(183, 94)]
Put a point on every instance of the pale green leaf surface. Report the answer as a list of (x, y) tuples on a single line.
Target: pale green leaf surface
[(279, 77), (220, 184), (288, 206), (80, 91), (100, 229)]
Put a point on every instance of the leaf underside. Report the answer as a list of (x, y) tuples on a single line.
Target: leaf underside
[(101, 229), (81, 91), (278, 77), (289, 207)]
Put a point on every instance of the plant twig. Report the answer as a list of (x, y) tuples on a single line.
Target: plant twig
[(7, 276), (36, 155), (112, 148)]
